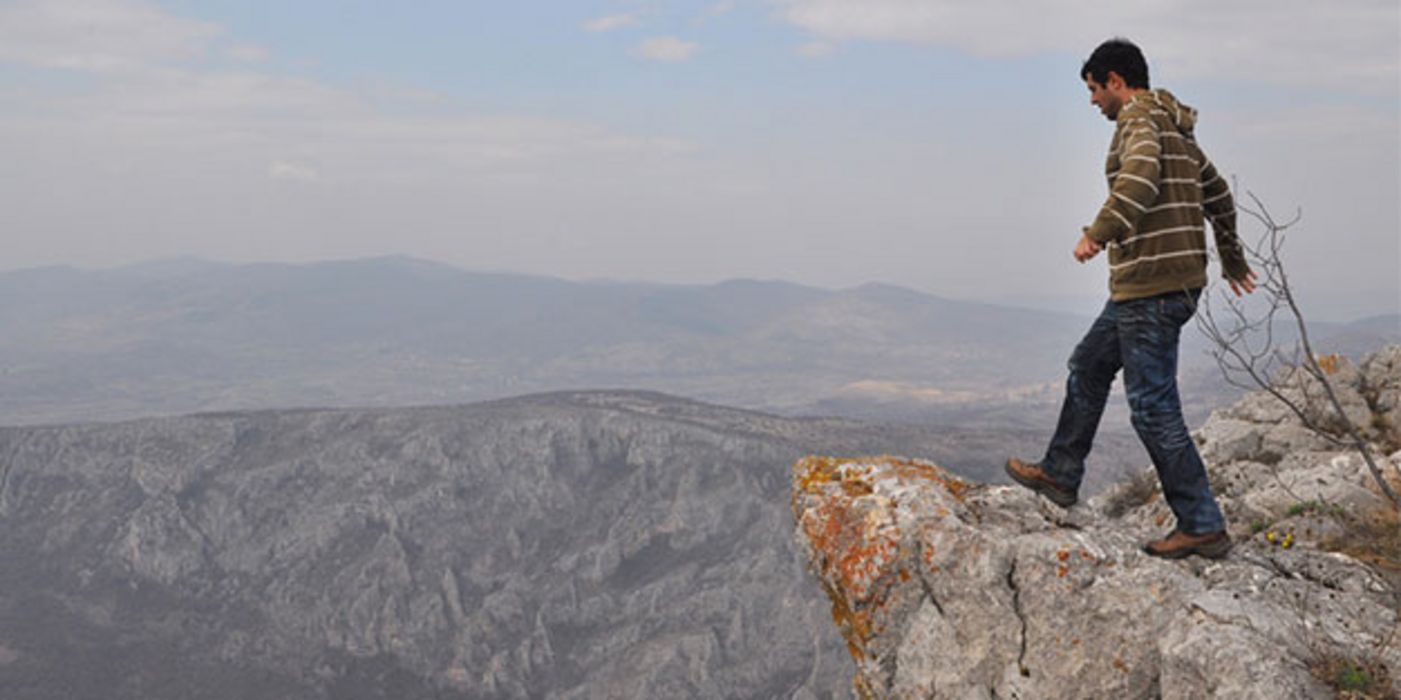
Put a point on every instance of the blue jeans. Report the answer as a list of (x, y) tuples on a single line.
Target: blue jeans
[(1139, 336)]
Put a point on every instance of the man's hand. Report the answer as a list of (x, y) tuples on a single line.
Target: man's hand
[(1244, 285), (1087, 248)]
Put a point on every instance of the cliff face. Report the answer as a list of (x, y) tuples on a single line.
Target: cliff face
[(571, 545), (947, 588)]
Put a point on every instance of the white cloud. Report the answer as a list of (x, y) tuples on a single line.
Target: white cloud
[(1351, 45), (156, 154), (816, 49), (219, 97), (247, 53), (666, 48), (147, 99), (248, 117), (296, 172), (611, 22), (717, 9), (97, 35)]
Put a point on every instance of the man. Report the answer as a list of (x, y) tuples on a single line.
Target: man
[(1161, 188)]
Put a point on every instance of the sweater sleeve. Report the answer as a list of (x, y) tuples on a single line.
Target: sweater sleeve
[(1220, 208), (1135, 185)]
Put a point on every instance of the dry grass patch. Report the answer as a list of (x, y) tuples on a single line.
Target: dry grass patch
[(1373, 538), (1139, 490)]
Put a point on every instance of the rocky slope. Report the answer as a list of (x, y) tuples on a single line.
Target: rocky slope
[(574, 545), (947, 588)]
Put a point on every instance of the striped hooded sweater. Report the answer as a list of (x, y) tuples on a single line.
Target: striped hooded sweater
[(1161, 188)]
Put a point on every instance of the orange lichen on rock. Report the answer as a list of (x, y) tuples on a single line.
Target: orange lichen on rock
[(816, 470), (841, 517), (863, 688), (1329, 363), (812, 471), (854, 626), (859, 566), (850, 511), (855, 488), (907, 468)]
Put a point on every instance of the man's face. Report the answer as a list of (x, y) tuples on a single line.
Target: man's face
[(1105, 99)]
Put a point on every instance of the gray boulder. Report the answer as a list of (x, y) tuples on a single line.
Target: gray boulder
[(944, 588), (1383, 390), (948, 588)]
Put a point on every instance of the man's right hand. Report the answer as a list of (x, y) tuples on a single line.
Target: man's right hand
[(1087, 248)]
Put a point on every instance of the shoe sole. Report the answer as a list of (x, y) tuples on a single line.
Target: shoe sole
[(1214, 550), (1052, 494)]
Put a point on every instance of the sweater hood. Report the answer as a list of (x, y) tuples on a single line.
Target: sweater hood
[(1184, 117)]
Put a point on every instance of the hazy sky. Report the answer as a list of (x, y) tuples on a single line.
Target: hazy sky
[(942, 145)]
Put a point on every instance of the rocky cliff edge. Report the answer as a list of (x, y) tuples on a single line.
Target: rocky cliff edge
[(949, 589)]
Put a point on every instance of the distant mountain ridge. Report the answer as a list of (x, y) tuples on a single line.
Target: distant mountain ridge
[(184, 335), (96, 344)]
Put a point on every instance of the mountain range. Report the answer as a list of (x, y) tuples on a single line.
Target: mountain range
[(179, 336)]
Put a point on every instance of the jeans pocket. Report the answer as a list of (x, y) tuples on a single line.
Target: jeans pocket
[(1178, 307)]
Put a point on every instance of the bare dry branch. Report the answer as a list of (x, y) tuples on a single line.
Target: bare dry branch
[(1246, 365)]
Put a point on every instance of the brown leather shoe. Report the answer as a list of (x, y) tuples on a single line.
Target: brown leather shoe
[(1035, 478), (1178, 544)]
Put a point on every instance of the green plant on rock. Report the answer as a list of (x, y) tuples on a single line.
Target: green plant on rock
[(1355, 678), (1318, 508)]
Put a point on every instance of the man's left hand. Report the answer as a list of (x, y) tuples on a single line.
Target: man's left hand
[(1087, 248), (1244, 285)]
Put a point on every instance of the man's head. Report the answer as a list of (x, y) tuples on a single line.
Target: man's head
[(1113, 73)]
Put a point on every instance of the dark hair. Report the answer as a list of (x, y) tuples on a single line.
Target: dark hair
[(1122, 57)]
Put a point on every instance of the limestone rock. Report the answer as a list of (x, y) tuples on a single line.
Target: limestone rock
[(946, 588), (1383, 390), (943, 588), (1347, 383)]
